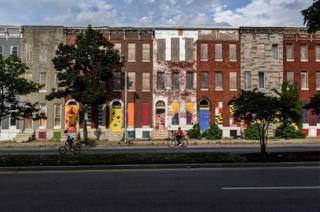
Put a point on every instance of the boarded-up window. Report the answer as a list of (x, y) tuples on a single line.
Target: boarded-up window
[(232, 52), (289, 52), (318, 80), (204, 80), (161, 49), (218, 80), (275, 51), (247, 80), (318, 52), (131, 52), (131, 81), (218, 51), (304, 52), (146, 111), (304, 80), (175, 113), (189, 78), (175, 81), (189, 113), (117, 46), (43, 57), (130, 114), (233, 81), (189, 49), (28, 53), (290, 77), (145, 81), (261, 76), (204, 52), (145, 52), (160, 80), (116, 81), (175, 49)]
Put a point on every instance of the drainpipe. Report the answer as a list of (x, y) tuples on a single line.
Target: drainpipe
[(125, 106)]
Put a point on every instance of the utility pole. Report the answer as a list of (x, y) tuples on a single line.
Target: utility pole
[(125, 106)]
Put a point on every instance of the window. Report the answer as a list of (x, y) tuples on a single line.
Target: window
[(43, 53), (218, 80), (261, 80), (102, 115), (189, 79), (290, 77), (117, 46), (43, 110), (318, 80), (14, 50), (160, 80), (145, 52), (289, 52), (43, 81), (175, 81), (175, 49), (232, 52), (56, 80), (304, 80), (13, 121), (204, 80), (117, 81), (233, 81), (145, 81), (247, 80), (57, 115), (275, 51), (189, 49), (28, 53), (161, 47), (1, 51), (218, 52), (204, 52), (318, 52), (131, 52), (131, 81), (304, 52)]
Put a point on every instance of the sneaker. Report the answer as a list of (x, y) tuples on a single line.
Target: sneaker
[(180, 145)]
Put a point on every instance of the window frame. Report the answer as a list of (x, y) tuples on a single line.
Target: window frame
[(146, 60), (11, 50), (146, 78), (55, 116), (189, 73), (278, 51), (216, 88), (247, 86), (118, 78), (44, 89), (236, 80), (175, 78), (317, 52), (235, 52), (162, 87), (215, 52), (306, 79), (307, 55), (292, 53), (132, 60), (206, 82), (264, 80), (318, 80), (45, 106), (131, 88), (202, 53)]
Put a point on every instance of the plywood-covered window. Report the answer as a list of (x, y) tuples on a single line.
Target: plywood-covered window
[(146, 111), (160, 81), (175, 81), (218, 51), (175, 107), (204, 52), (161, 49), (189, 49), (189, 113), (175, 49), (131, 52), (131, 114)]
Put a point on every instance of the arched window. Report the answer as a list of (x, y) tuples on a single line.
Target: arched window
[(160, 115), (204, 102), (116, 104), (160, 104)]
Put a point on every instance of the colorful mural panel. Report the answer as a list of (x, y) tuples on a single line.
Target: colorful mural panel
[(175, 113), (72, 114), (131, 113), (189, 112), (116, 119), (218, 113), (160, 119)]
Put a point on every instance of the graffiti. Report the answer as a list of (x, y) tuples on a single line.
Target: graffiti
[(218, 113), (175, 113), (116, 119), (160, 119), (72, 112), (189, 113)]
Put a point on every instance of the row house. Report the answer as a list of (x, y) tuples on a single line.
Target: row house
[(106, 121), (302, 66), (218, 78), (38, 48), (10, 44), (174, 78)]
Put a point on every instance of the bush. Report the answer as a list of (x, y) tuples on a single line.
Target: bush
[(286, 130), (194, 133), (252, 132), (214, 133)]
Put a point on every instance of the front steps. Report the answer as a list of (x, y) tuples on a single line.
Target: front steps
[(24, 136)]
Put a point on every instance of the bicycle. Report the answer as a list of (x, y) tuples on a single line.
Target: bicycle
[(173, 142), (75, 149)]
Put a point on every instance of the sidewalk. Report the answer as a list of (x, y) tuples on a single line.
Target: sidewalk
[(162, 143)]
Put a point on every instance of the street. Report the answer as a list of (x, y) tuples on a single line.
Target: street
[(249, 148), (228, 189)]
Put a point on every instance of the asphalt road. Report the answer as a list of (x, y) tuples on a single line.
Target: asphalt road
[(295, 189), (157, 149)]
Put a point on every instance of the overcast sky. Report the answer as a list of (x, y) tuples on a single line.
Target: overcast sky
[(153, 12)]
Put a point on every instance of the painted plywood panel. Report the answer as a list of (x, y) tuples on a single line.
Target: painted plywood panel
[(116, 119)]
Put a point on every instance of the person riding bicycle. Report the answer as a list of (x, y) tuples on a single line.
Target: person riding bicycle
[(179, 135), (70, 137)]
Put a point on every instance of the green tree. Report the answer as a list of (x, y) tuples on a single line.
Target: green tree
[(256, 109), (312, 17), (12, 85), (290, 104), (314, 104), (84, 70)]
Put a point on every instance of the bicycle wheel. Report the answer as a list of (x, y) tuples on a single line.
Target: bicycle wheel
[(171, 143), (62, 150), (76, 150), (184, 143)]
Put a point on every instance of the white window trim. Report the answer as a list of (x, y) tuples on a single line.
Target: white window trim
[(307, 74), (233, 89), (135, 54), (304, 60), (46, 120), (44, 89), (276, 59), (146, 60), (11, 47), (204, 59), (54, 117)]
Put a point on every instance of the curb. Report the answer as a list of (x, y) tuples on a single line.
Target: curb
[(157, 166)]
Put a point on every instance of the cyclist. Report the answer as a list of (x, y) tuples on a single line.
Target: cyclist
[(179, 135), (70, 137)]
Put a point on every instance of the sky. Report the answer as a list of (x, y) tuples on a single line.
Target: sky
[(190, 13)]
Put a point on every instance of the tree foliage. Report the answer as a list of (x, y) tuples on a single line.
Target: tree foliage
[(194, 133), (84, 69), (312, 17), (314, 104), (12, 85), (214, 133)]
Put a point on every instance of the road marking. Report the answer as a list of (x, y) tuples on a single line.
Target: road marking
[(271, 188)]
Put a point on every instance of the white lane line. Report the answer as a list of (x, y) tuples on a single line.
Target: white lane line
[(271, 188)]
